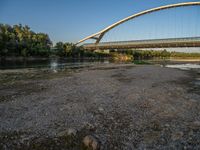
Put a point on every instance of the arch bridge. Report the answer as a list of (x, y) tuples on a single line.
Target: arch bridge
[(153, 43)]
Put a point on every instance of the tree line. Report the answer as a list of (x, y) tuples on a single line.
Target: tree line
[(148, 54), (71, 50), (18, 40)]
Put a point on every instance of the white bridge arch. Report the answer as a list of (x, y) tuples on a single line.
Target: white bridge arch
[(99, 35)]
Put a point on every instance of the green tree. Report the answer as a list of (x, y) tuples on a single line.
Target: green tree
[(19, 40)]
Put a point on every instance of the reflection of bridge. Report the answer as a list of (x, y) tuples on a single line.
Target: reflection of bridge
[(159, 43)]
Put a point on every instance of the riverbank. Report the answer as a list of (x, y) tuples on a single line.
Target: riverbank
[(121, 106)]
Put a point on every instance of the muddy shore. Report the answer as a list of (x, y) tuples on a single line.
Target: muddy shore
[(122, 106)]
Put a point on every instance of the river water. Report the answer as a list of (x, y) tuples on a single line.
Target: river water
[(57, 63), (54, 63)]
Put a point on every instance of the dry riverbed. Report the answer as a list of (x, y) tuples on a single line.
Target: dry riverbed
[(108, 106)]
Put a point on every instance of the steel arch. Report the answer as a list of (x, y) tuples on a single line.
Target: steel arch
[(99, 35)]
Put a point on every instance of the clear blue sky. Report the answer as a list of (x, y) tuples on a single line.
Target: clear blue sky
[(71, 20)]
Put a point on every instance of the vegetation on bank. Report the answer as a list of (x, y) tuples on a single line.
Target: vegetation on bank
[(71, 50), (121, 57), (18, 40), (148, 54)]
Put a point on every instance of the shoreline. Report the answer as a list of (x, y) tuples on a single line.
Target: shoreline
[(185, 59), (15, 58)]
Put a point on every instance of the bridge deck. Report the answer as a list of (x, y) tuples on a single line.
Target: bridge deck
[(154, 43)]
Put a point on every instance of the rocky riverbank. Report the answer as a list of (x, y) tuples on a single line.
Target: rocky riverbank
[(108, 106)]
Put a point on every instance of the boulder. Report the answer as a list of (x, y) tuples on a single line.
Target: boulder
[(91, 142)]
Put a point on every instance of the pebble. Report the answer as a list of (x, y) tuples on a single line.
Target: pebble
[(101, 109), (195, 125), (90, 126), (167, 125), (72, 132), (192, 101), (177, 135), (68, 132)]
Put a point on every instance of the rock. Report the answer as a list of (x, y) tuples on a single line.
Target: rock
[(72, 132), (155, 125), (191, 133), (91, 142), (100, 109), (68, 132), (192, 100), (177, 135), (151, 136), (91, 127), (195, 125), (167, 125)]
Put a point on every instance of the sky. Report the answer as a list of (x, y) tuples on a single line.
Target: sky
[(72, 20)]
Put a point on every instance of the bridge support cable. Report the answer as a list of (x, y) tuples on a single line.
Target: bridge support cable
[(161, 31), (197, 18), (137, 15)]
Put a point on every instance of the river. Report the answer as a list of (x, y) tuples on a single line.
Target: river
[(62, 63)]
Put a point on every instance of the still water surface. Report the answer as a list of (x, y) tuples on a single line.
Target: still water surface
[(48, 63), (56, 63)]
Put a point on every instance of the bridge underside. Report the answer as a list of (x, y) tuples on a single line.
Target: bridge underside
[(157, 43)]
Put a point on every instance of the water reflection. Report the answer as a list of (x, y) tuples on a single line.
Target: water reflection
[(53, 63), (188, 66)]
